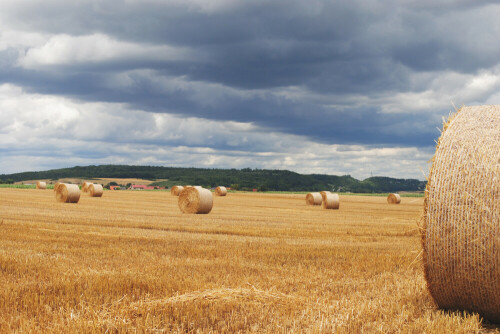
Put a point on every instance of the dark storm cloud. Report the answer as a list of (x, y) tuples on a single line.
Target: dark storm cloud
[(328, 49)]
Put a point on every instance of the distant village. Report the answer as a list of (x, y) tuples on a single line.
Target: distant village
[(136, 187)]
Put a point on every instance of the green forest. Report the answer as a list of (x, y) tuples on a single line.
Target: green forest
[(238, 179)]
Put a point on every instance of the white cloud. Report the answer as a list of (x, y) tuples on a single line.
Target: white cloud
[(97, 48), (20, 40)]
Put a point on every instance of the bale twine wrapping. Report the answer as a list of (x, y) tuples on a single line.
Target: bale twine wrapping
[(41, 185), (68, 193), (195, 200), (314, 199), (461, 222), (95, 190), (393, 199), (221, 191), (176, 190), (331, 201)]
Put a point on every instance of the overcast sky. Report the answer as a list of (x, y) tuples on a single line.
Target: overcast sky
[(335, 87)]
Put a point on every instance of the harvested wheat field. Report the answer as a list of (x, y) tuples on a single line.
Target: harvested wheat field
[(131, 261)]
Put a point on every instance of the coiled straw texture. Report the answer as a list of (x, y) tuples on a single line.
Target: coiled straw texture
[(95, 190), (393, 199), (68, 193), (323, 194), (85, 186), (331, 201), (461, 229), (176, 190), (221, 191), (195, 200), (314, 199)]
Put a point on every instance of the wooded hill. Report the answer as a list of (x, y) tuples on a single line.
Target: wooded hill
[(244, 179)]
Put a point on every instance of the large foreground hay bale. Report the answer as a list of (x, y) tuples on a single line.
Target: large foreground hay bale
[(176, 190), (221, 191), (331, 201), (314, 199), (41, 185), (68, 193), (393, 199), (95, 190), (461, 230), (195, 200), (85, 186)]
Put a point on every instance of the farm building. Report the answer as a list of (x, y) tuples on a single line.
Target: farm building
[(144, 187)]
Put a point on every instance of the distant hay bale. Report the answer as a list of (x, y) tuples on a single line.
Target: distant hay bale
[(95, 190), (331, 201), (221, 191), (195, 200), (176, 190), (68, 193), (461, 222), (85, 186), (41, 185), (323, 194), (314, 199), (393, 199)]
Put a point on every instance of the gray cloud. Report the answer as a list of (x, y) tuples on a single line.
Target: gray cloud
[(370, 73)]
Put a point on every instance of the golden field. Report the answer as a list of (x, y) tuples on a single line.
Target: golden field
[(263, 263)]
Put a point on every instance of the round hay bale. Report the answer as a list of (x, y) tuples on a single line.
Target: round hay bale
[(85, 186), (41, 185), (393, 199), (221, 191), (314, 199), (68, 193), (461, 222), (95, 190), (176, 190), (195, 200), (323, 194), (56, 185), (331, 201)]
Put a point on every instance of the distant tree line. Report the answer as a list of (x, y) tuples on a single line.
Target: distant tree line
[(243, 179)]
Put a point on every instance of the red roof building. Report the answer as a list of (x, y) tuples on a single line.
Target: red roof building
[(143, 187)]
